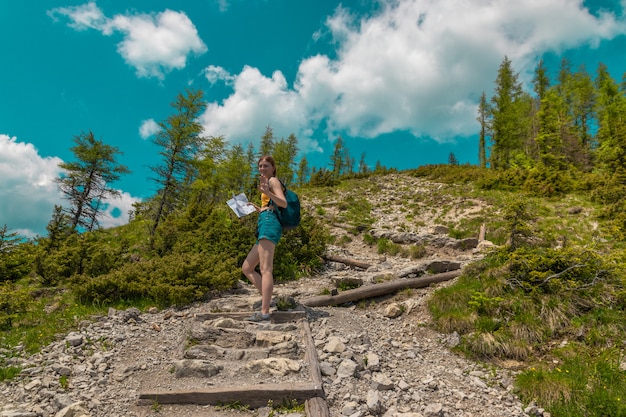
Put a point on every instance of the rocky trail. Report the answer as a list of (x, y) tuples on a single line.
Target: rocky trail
[(376, 356)]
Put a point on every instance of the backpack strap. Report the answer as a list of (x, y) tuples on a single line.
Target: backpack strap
[(284, 189)]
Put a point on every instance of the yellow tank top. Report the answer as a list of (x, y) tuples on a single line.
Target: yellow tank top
[(265, 200)]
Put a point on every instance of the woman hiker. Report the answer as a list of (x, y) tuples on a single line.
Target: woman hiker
[(269, 232)]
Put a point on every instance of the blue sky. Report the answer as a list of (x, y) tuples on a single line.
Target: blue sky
[(397, 80)]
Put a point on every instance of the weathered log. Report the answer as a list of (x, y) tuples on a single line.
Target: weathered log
[(254, 396), (316, 407), (376, 290), (347, 261)]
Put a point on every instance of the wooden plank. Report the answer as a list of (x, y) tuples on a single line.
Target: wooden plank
[(317, 406), (276, 317), (254, 396), (376, 290), (310, 353)]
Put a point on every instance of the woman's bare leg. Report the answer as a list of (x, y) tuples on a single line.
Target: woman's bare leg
[(249, 268), (265, 255)]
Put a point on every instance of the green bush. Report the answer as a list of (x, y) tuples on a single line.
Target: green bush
[(545, 182), (299, 252), (13, 304), (176, 279), (15, 258), (196, 255)]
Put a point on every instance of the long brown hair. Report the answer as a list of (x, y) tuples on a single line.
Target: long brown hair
[(269, 159)]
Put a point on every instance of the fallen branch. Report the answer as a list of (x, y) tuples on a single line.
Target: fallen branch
[(376, 290), (558, 274)]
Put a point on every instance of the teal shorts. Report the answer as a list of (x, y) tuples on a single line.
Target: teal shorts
[(268, 227)]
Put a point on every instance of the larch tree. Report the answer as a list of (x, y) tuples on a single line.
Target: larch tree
[(611, 110), (339, 160), (85, 182), (583, 104), (363, 168), (208, 186), (235, 171), (180, 140), (483, 120), (285, 151), (507, 113), (266, 147), (550, 136), (303, 173)]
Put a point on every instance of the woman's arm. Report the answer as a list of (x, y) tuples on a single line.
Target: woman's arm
[(276, 193)]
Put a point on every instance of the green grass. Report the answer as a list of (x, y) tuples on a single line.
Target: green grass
[(583, 382)]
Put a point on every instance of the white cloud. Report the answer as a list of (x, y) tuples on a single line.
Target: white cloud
[(148, 128), (117, 211), (28, 192), (215, 74), (27, 189), (86, 16), (153, 44), (257, 102), (416, 65)]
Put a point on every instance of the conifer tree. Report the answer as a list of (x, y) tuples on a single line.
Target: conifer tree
[(510, 110), (339, 160), (303, 172), (208, 186), (284, 154), (235, 171), (363, 168), (611, 108), (550, 136), (85, 181), (266, 146), (483, 119), (180, 140)]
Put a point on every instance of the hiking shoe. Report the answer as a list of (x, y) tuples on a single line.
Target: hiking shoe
[(258, 317)]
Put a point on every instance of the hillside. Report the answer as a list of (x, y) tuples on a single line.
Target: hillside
[(378, 357)]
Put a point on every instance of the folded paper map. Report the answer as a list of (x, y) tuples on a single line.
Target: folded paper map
[(239, 204)]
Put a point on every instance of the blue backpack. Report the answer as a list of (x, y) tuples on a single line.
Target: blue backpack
[(289, 217)]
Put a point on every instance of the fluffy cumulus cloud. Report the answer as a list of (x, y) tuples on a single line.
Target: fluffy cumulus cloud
[(257, 101), (153, 44), (28, 192), (416, 65), (27, 189)]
